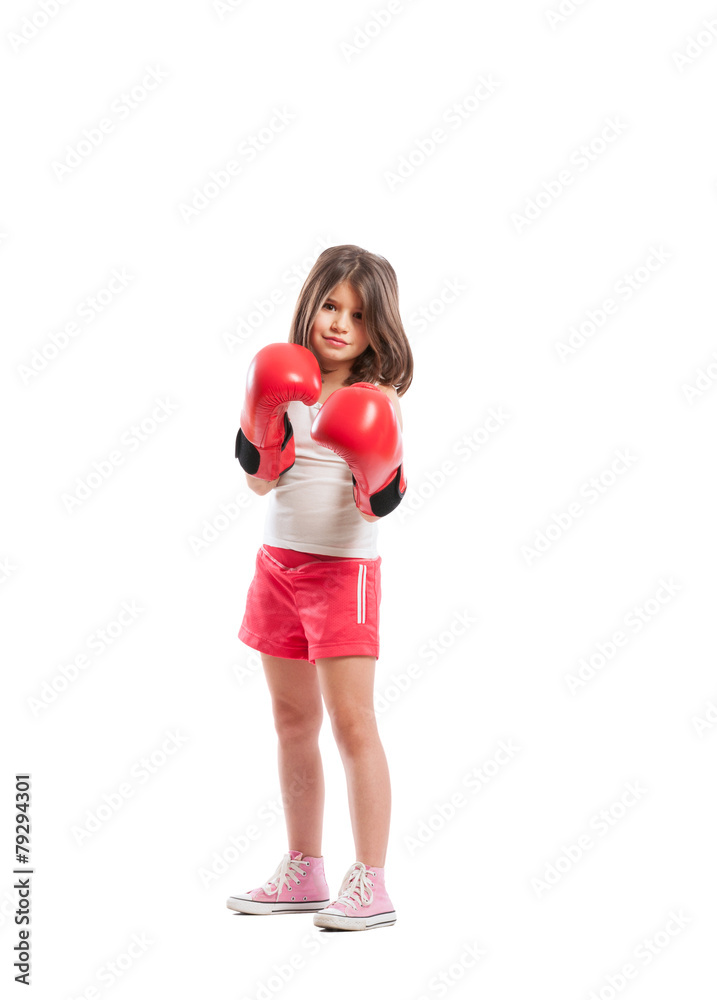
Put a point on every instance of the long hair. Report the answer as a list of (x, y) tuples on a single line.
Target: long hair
[(388, 358)]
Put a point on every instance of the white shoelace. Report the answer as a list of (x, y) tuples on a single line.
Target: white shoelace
[(356, 888), (287, 871)]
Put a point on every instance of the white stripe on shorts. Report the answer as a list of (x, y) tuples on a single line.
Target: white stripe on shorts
[(361, 595)]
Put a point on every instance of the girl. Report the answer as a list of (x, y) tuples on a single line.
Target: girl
[(313, 605)]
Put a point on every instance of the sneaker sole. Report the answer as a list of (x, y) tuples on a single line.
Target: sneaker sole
[(240, 905), (337, 922)]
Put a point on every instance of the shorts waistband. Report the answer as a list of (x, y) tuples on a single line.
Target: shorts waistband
[(296, 560), (292, 557)]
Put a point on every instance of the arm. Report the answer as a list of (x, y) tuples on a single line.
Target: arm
[(260, 486), (362, 427), (393, 396), (278, 374)]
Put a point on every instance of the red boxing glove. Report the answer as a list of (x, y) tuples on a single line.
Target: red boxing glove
[(359, 423), (278, 374)]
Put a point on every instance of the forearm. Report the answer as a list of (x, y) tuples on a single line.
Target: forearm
[(260, 486)]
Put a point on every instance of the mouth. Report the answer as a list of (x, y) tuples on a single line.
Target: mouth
[(335, 340)]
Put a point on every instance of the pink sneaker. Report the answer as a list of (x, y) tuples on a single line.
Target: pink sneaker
[(297, 885), (363, 902)]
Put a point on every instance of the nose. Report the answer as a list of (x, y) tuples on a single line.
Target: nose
[(340, 322)]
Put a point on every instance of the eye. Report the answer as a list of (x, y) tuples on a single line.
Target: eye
[(330, 305)]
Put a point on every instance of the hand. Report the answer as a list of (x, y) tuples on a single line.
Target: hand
[(359, 423), (278, 374)]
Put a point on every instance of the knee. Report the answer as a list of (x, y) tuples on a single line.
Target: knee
[(354, 730), (294, 723)]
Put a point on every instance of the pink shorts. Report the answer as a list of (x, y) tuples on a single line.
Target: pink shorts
[(324, 606)]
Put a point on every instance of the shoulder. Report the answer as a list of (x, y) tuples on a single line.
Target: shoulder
[(388, 389), (393, 396)]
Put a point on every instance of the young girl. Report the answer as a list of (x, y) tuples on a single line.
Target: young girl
[(332, 462)]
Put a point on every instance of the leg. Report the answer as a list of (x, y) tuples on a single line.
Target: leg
[(298, 714), (347, 687)]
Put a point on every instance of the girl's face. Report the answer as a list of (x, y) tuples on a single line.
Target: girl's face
[(338, 333)]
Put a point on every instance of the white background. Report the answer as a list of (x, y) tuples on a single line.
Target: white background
[(642, 210)]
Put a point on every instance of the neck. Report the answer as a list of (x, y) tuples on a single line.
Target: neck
[(336, 377)]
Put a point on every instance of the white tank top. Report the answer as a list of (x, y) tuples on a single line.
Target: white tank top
[(312, 507)]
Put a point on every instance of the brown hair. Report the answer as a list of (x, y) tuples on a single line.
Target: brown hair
[(388, 358)]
